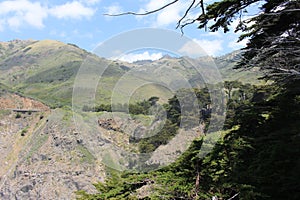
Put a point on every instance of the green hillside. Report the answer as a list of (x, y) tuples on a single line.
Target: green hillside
[(46, 70)]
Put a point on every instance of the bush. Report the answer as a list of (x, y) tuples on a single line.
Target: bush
[(24, 131)]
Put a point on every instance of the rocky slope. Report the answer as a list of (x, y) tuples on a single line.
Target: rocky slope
[(45, 156), (42, 155)]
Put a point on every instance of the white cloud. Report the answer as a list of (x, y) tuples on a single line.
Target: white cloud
[(211, 47), (167, 16), (198, 48), (20, 12), (17, 13), (217, 34), (90, 2), (113, 9), (132, 57), (238, 45), (14, 22), (72, 10)]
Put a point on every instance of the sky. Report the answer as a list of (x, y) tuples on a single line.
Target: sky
[(82, 22)]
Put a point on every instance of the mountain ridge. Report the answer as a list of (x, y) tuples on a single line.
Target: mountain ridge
[(35, 68)]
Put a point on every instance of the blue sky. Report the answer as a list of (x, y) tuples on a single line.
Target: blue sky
[(82, 22)]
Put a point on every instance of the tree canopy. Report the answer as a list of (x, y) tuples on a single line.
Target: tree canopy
[(273, 33)]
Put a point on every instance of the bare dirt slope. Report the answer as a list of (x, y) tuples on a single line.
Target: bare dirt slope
[(14, 101)]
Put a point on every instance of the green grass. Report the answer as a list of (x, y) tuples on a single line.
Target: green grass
[(54, 95), (87, 157), (109, 91), (45, 70), (60, 73), (5, 112)]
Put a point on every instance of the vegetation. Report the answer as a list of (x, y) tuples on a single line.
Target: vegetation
[(258, 154), (49, 69), (87, 157), (273, 34), (24, 131), (250, 161)]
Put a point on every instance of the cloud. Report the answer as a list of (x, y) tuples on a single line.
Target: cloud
[(211, 47), (238, 45), (217, 34), (20, 12), (14, 22), (167, 16), (72, 10), (132, 57), (90, 2), (113, 9), (198, 48)]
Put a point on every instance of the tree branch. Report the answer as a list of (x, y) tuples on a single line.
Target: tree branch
[(286, 71), (185, 24), (190, 21), (233, 196), (179, 23), (282, 11), (185, 14), (145, 13)]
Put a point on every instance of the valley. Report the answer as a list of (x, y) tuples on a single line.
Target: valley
[(45, 154)]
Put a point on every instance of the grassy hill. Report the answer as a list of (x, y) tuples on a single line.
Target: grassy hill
[(46, 70)]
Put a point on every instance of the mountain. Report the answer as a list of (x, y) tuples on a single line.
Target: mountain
[(226, 64), (46, 70), (41, 69), (44, 154)]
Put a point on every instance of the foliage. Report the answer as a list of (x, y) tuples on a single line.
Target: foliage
[(147, 145), (174, 117), (18, 115), (56, 74), (244, 162), (139, 107), (257, 158), (184, 97), (273, 34), (24, 131)]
